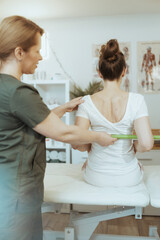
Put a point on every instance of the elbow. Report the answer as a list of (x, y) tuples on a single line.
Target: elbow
[(147, 146), (60, 134), (66, 135), (150, 144)]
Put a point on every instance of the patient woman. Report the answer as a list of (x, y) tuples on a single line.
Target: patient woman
[(116, 112)]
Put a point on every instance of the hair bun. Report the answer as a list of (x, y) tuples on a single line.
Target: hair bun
[(111, 50), (111, 61)]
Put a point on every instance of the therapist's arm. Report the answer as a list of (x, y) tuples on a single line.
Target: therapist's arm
[(83, 123), (54, 128), (143, 131), (67, 107)]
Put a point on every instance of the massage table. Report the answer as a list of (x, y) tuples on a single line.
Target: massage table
[(64, 183)]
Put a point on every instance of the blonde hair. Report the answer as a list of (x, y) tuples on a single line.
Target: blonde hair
[(17, 31)]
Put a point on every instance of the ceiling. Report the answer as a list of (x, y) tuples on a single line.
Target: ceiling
[(44, 9)]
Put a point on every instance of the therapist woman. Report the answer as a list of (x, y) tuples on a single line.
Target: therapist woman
[(24, 122)]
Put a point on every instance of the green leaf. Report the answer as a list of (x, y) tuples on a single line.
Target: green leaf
[(92, 88)]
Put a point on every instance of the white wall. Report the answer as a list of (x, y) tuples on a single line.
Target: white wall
[(72, 41)]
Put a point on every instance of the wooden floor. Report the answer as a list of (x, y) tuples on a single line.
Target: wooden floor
[(123, 226)]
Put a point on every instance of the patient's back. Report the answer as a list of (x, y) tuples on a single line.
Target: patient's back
[(114, 116), (113, 108)]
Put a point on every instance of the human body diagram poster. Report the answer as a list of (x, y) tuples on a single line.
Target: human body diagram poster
[(148, 59), (125, 47)]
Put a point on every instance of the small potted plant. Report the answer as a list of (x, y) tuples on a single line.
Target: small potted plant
[(92, 88)]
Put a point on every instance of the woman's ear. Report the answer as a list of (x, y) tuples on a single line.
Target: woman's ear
[(124, 72), (18, 52), (99, 74)]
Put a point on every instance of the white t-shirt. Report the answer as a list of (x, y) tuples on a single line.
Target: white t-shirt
[(115, 165)]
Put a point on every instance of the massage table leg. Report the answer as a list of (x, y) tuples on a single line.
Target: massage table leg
[(81, 227), (153, 232), (85, 225), (51, 207)]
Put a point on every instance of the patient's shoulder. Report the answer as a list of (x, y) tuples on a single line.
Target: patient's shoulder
[(85, 104), (136, 97), (138, 105), (85, 98), (136, 94)]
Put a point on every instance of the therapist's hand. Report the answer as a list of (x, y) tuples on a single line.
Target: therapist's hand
[(73, 104), (105, 139), (68, 107)]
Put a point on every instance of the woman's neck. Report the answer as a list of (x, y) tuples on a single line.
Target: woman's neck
[(11, 68), (112, 88)]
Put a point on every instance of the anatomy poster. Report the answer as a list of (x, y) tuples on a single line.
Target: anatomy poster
[(148, 59), (125, 47), (95, 58)]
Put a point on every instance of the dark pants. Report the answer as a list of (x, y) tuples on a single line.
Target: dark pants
[(21, 226)]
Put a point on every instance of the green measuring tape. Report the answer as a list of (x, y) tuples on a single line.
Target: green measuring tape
[(119, 136)]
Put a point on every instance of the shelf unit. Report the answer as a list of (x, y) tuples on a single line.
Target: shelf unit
[(54, 93)]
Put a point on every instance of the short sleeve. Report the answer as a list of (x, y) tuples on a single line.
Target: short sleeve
[(82, 111), (27, 105), (142, 110)]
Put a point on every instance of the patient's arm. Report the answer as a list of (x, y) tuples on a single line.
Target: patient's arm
[(143, 131), (83, 123)]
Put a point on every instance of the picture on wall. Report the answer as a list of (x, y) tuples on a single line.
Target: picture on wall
[(148, 60), (125, 47)]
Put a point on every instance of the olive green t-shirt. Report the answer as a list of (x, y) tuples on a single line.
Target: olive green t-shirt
[(22, 150)]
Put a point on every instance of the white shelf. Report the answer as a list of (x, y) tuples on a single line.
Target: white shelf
[(54, 91)]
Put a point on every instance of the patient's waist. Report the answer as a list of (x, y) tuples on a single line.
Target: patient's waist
[(116, 179), (112, 165), (113, 156)]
